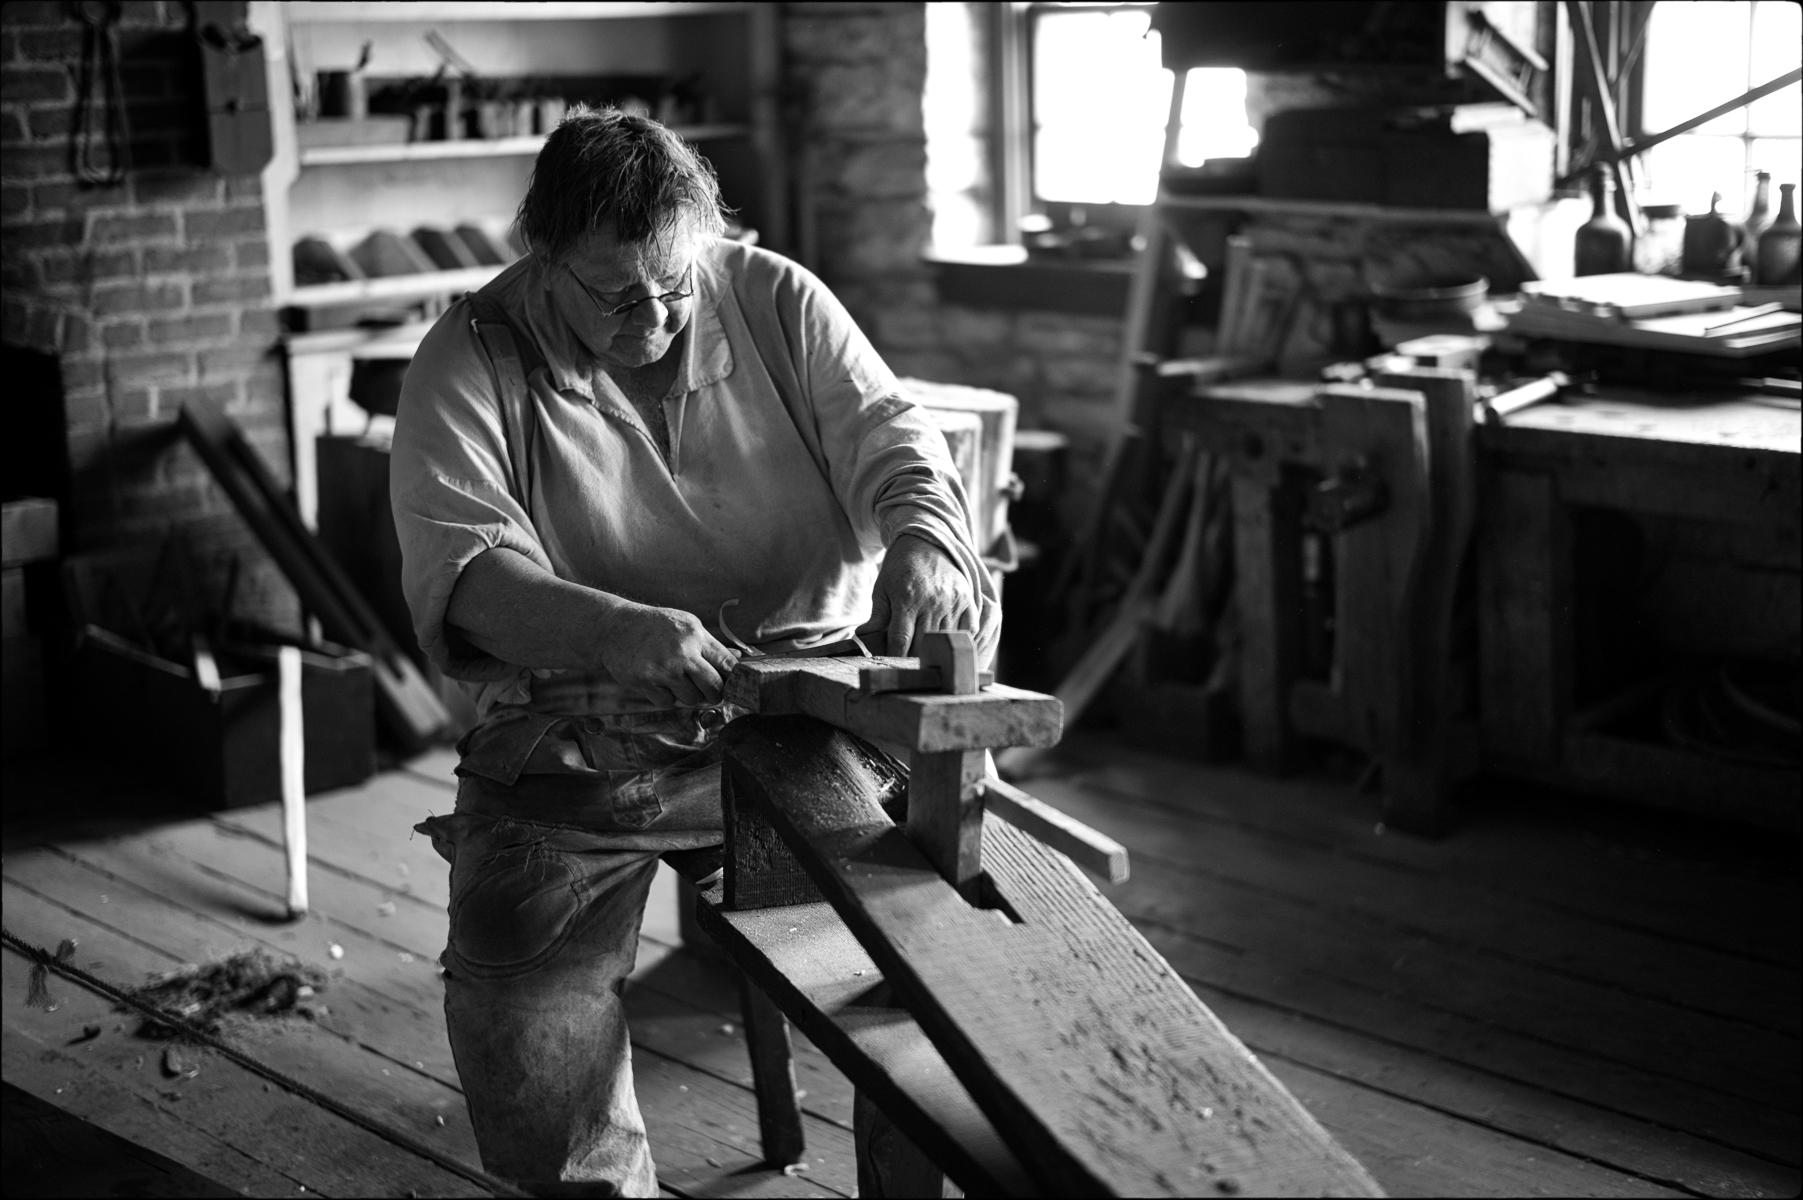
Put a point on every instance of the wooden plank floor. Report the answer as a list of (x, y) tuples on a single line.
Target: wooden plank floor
[(1560, 999)]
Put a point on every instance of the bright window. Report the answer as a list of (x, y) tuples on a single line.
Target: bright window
[(1699, 55), (1099, 98)]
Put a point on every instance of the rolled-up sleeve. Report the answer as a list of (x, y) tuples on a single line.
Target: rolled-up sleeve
[(887, 460), (454, 486)]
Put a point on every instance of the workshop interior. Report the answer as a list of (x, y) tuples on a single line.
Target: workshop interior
[(1379, 422)]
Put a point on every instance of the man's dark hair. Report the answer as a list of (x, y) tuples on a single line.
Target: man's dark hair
[(607, 167)]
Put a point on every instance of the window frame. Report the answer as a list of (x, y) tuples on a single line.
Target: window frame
[(1012, 38), (1634, 119), (1011, 97)]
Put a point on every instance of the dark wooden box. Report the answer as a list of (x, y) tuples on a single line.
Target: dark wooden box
[(1331, 155), (1486, 170), (223, 747)]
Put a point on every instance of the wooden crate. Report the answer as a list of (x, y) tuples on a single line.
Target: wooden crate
[(223, 746), (28, 530)]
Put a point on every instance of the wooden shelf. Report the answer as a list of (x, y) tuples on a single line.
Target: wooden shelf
[(331, 11), (387, 152), (1328, 208), (391, 287)]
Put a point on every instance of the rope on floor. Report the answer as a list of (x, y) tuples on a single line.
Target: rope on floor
[(43, 960)]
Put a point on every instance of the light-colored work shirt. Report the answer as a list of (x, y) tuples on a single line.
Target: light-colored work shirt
[(794, 460)]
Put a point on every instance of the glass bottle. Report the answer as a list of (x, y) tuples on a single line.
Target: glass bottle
[(1712, 244), (1659, 250), (1759, 215), (1604, 241), (1777, 258)]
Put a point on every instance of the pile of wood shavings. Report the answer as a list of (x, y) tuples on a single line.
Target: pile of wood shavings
[(251, 984)]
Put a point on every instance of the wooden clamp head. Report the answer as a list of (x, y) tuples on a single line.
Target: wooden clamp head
[(953, 654), (943, 732), (945, 788)]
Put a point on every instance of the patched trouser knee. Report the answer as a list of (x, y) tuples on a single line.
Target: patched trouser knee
[(544, 927)]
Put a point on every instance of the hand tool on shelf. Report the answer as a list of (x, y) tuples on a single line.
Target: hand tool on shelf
[(1498, 408)]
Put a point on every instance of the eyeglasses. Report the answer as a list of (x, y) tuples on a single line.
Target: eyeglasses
[(667, 299)]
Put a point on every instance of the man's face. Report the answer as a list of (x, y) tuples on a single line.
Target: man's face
[(602, 276)]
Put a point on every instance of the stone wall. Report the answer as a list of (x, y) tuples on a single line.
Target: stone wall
[(856, 73), (148, 292)]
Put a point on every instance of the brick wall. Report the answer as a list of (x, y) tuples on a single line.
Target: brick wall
[(857, 72), (149, 292)]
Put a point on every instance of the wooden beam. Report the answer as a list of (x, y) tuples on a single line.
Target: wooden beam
[(1084, 846), (1635, 146), (1094, 1061), (829, 688)]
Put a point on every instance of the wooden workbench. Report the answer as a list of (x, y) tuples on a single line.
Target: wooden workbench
[(1726, 466), (1731, 464)]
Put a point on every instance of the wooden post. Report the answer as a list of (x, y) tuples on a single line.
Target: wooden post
[(890, 1165), (945, 788), (292, 753), (1419, 769), (1267, 533), (1383, 430), (772, 1076)]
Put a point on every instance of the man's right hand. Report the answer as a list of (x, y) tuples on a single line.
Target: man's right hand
[(666, 654)]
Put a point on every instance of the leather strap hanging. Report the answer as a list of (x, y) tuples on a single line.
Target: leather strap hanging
[(99, 156)]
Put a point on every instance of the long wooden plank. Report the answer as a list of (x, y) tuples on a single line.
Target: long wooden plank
[(1074, 1037)]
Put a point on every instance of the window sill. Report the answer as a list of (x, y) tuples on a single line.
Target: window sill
[(1005, 277)]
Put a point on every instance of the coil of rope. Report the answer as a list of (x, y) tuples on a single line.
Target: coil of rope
[(98, 88)]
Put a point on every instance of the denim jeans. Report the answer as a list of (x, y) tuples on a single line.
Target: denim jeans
[(549, 875)]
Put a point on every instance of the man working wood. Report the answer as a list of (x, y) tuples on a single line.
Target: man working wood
[(637, 428)]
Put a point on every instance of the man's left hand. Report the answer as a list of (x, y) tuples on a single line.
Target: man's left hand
[(919, 590)]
